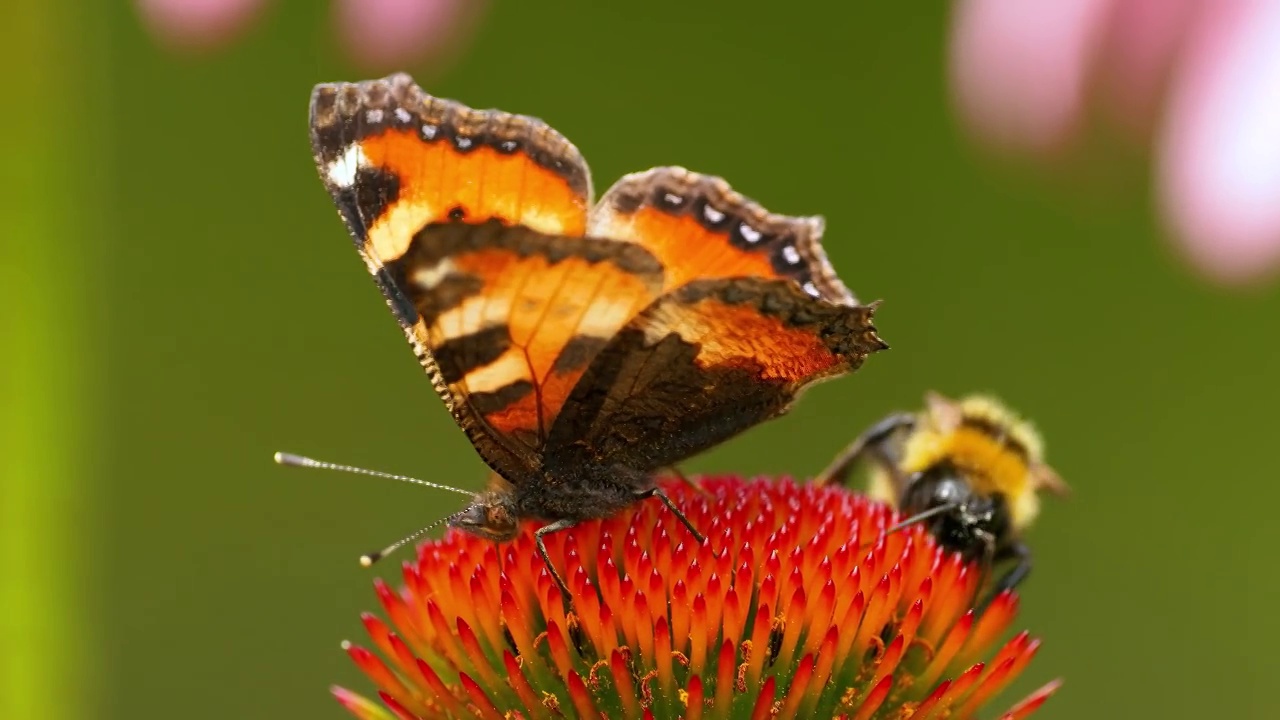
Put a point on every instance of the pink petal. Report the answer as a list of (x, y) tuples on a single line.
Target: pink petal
[(1019, 67), (197, 24), (1143, 40), (392, 33), (1220, 150)]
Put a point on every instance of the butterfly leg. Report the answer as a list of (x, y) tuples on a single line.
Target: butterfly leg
[(546, 558), (658, 493), (868, 443)]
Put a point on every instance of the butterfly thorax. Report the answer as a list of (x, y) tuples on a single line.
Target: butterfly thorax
[(584, 493), (580, 493)]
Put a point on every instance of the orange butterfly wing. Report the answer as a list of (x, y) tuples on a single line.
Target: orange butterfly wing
[(464, 217), (476, 226)]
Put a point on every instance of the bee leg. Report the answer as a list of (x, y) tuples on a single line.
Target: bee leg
[(546, 558), (1021, 554), (868, 443)]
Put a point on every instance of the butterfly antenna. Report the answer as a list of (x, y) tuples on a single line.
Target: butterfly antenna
[(300, 461), (369, 559)]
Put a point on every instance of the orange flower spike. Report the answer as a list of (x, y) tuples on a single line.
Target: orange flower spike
[(581, 697), (489, 623), (760, 634), (725, 668), (480, 701), (874, 618), (476, 656), (406, 662), (626, 689), (735, 614), (993, 623), (693, 700), (559, 650), (715, 609), (439, 693), (1006, 665), (822, 670), (662, 649), (888, 663), (520, 685), (947, 650), (792, 621), (874, 699), (380, 674), (699, 640), (799, 688), (852, 619), (764, 701)]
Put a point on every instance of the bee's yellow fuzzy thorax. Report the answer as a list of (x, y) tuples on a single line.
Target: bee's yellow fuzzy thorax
[(988, 443)]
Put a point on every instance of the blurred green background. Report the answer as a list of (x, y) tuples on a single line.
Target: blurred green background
[(180, 300)]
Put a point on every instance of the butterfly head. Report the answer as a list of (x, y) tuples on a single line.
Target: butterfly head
[(491, 516)]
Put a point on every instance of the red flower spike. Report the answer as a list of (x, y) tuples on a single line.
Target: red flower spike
[(1032, 702), (400, 711), (693, 699), (784, 612), (479, 700), (764, 701)]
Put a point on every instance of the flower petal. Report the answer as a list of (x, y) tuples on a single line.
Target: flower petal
[(1144, 39), (1220, 149), (390, 33), (1019, 68), (199, 24)]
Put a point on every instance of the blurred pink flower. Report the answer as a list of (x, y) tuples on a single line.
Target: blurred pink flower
[(1197, 80), (382, 34)]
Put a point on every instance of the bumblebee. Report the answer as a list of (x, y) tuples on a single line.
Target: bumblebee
[(970, 470)]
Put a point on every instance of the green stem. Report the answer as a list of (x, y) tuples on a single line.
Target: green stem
[(48, 345)]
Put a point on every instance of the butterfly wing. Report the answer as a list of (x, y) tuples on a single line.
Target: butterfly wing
[(700, 228), (470, 222)]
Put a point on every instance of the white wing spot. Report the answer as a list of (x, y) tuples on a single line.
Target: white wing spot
[(342, 172), (374, 116), (749, 233), (790, 254), (810, 288), (429, 277), (429, 131), (463, 142), (403, 115), (673, 199), (712, 215)]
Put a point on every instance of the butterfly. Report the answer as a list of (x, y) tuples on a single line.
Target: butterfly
[(581, 347)]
